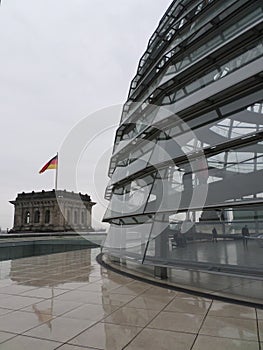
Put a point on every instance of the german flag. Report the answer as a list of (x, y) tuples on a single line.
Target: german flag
[(52, 164)]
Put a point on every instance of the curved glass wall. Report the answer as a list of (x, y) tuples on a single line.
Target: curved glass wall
[(186, 189), (200, 51)]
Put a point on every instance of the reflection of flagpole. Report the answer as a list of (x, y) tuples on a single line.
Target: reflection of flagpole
[(52, 300), (56, 176)]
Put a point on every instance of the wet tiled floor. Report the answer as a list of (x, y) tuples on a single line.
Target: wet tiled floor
[(68, 301)]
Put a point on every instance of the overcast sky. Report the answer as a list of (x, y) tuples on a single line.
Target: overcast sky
[(62, 61)]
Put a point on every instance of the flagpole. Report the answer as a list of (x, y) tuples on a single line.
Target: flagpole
[(56, 177)]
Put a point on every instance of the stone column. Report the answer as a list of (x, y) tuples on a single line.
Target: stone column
[(18, 216), (89, 221), (42, 216)]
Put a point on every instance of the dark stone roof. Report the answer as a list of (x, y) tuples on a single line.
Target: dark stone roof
[(52, 195)]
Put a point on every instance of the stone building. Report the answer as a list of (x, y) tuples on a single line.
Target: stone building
[(52, 211)]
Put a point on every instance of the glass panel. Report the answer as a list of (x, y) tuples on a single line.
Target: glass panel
[(132, 166), (180, 141), (130, 199), (232, 65), (218, 239), (178, 187), (231, 175), (158, 244), (215, 42), (128, 241), (186, 60), (27, 218), (248, 121), (167, 190), (214, 75)]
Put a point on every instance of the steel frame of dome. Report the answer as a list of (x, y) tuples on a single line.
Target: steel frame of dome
[(188, 153)]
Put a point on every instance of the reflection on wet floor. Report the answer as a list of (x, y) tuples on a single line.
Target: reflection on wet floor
[(23, 246), (225, 252), (67, 301)]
